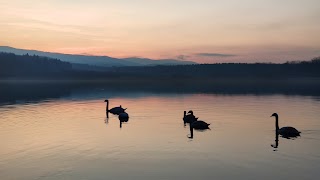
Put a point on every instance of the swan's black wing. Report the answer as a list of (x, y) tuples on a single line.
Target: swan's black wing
[(288, 132)]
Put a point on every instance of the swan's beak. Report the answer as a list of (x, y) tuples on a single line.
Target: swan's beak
[(271, 116)]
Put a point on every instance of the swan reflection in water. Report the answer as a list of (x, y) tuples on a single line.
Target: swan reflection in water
[(106, 121), (276, 144), (123, 118)]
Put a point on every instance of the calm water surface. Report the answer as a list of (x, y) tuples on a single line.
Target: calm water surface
[(70, 138)]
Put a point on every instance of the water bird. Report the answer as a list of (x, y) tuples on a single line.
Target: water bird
[(123, 117), (189, 118), (198, 125), (114, 110), (285, 132)]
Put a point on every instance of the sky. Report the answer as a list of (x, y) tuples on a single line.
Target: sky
[(205, 31)]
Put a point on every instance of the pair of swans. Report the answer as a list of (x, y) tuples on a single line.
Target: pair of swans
[(194, 123), (120, 111), (286, 132)]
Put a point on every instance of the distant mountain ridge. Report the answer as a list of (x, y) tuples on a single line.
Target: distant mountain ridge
[(102, 61)]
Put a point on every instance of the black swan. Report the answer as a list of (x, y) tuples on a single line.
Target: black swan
[(285, 132), (123, 117), (114, 110), (189, 118), (198, 125)]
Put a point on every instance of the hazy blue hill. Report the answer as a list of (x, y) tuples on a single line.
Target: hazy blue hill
[(79, 59), (104, 61)]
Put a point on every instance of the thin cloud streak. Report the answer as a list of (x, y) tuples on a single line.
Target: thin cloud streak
[(214, 55), (182, 57)]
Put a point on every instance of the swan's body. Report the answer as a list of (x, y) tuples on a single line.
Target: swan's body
[(289, 132), (117, 110), (189, 118), (114, 110), (123, 117), (286, 132), (199, 125)]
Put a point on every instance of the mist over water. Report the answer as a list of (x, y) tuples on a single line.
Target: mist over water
[(59, 132)]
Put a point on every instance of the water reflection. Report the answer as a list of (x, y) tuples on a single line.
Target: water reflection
[(275, 146), (30, 92), (70, 134), (121, 121), (21, 92), (106, 120)]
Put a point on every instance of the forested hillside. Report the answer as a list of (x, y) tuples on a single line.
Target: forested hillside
[(12, 65)]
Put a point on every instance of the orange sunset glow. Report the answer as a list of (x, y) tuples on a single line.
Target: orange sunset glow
[(202, 31)]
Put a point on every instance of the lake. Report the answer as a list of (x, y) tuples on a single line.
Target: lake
[(65, 134)]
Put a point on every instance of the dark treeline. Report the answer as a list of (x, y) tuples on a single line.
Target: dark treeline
[(35, 67), (232, 70), (32, 78), (12, 65), (210, 72)]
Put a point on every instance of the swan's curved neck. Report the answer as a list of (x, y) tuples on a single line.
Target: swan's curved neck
[(107, 108), (107, 105), (277, 123)]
